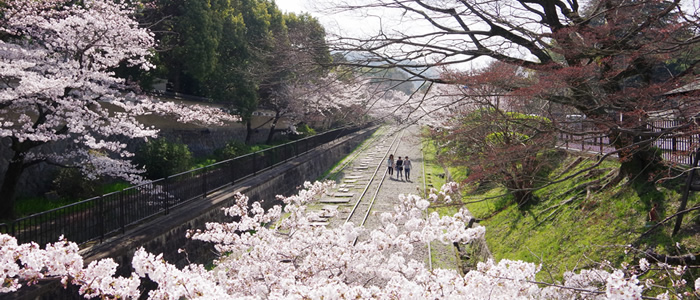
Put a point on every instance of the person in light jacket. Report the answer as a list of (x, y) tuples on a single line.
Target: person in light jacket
[(407, 168), (390, 164)]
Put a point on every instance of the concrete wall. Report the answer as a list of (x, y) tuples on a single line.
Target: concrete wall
[(167, 234)]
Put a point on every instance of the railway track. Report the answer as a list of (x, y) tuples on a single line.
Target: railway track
[(365, 189), (363, 206)]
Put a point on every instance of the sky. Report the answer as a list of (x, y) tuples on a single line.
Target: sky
[(291, 5), (334, 24), (348, 25)]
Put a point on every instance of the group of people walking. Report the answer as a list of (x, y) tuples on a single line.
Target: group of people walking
[(402, 167)]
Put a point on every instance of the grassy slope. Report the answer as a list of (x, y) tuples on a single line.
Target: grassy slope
[(590, 229)]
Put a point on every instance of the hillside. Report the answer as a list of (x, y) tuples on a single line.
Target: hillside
[(571, 227)]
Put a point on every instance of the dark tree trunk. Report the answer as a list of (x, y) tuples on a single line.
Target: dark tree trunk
[(8, 190), (175, 79), (520, 189), (639, 159), (522, 197), (686, 193), (248, 132), (272, 128)]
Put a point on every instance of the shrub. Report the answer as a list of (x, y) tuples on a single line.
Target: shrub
[(505, 147), (231, 150), (302, 130), (162, 158), (305, 130), (71, 184)]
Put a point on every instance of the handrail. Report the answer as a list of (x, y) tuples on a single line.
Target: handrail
[(94, 218)]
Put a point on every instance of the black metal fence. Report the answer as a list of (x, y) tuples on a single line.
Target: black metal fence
[(677, 147), (97, 217)]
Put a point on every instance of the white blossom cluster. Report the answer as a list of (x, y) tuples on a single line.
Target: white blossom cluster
[(29, 263), (349, 97), (277, 254), (56, 82)]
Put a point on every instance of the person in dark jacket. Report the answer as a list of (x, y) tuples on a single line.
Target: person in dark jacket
[(399, 168)]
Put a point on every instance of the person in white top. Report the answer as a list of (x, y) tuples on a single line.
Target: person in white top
[(390, 164)]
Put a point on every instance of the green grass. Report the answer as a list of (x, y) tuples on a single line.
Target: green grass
[(332, 172), (203, 162), (591, 228), (113, 187), (28, 206), (31, 205)]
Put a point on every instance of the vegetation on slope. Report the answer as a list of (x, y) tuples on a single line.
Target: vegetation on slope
[(570, 226)]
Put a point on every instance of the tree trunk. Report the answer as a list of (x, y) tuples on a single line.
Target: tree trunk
[(639, 160), (9, 186), (249, 132), (175, 79), (522, 197), (271, 134), (519, 190)]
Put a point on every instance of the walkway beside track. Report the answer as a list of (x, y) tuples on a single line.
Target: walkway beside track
[(365, 176)]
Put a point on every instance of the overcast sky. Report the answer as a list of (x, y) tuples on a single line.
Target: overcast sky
[(348, 25), (291, 5), (335, 24)]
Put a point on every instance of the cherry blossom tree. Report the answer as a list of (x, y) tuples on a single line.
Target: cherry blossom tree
[(485, 131), (338, 97), (509, 148), (613, 61), (300, 57), (291, 259), (57, 87)]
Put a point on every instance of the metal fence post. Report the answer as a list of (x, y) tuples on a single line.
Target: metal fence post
[(166, 194), (122, 212), (255, 167), (204, 182), (101, 217), (232, 170)]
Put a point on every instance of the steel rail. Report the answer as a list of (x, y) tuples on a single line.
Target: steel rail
[(396, 142), (369, 183)]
